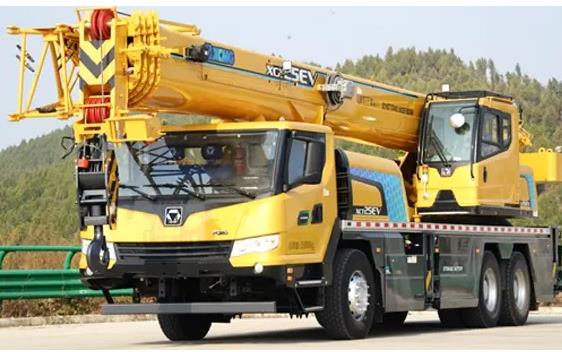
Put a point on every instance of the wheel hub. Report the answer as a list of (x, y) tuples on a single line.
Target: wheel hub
[(358, 295), (490, 290), (520, 291)]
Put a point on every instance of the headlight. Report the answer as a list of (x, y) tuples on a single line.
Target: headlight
[(254, 245)]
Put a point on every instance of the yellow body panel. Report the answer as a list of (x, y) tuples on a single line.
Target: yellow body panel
[(367, 195), (248, 126), (546, 165), (460, 182)]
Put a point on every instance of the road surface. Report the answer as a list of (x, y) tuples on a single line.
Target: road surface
[(421, 331)]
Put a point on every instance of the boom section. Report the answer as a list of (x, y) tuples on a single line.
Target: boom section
[(129, 68)]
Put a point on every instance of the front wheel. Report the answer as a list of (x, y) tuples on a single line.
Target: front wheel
[(350, 300), (184, 327)]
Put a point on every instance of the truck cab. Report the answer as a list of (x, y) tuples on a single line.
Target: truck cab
[(205, 200)]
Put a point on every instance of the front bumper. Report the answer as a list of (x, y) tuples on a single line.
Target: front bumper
[(173, 261)]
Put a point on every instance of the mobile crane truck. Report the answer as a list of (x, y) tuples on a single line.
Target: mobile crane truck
[(259, 212)]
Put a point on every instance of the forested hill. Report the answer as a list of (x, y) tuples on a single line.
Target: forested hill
[(426, 71), (37, 192), (37, 187)]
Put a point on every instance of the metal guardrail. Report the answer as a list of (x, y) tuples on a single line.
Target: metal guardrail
[(46, 283)]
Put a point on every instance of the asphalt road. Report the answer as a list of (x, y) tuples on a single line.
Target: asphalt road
[(421, 331)]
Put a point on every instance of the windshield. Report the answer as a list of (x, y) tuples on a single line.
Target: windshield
[(444, 143), (199, 164)]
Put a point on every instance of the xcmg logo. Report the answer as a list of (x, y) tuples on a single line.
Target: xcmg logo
[(173, 216), (295, 74)]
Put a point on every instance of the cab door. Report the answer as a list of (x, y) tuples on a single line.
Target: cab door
[(497, 167), (310, 196)]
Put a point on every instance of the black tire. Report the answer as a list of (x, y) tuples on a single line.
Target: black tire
[(337, 316), (451, 318), (391, 320), (487, 313), (184, 327), (516, 299)]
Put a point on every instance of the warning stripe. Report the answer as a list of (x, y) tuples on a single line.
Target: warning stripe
[(110, 81), (97, 63), (94, 67), (96, 46), (349, 225)]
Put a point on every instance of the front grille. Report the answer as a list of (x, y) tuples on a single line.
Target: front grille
[(172, 251)]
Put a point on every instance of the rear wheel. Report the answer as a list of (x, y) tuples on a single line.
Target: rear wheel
[(349, 301), (451, 318), (487, 313), (183, 327), (516, 298)]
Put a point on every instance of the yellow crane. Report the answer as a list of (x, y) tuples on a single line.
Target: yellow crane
[(259, 211)]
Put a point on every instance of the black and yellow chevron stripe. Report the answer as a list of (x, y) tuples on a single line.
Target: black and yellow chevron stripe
[(97, 63)]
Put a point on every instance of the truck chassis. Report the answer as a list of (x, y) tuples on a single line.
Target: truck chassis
[(474, 275)]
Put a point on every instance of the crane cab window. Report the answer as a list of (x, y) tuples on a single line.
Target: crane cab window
[(495, 134), (444, 143)]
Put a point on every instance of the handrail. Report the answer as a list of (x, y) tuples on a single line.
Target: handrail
[(72, 250), (46, 283)]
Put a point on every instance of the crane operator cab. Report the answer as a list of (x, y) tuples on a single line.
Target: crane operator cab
[(469, 158)]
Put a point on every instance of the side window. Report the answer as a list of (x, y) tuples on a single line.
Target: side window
[(506, 131), (306, 160), (296, 161), (490, 135)]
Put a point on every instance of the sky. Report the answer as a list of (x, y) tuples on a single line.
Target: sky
[(529, 36)]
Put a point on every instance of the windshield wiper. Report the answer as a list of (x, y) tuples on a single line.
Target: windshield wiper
[(238, 190), (182, 187), (439, 149), (139, 192), (437, 144)]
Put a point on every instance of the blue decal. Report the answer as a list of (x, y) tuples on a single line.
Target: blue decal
[(531, 190), (392, 189), (220, 55)]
